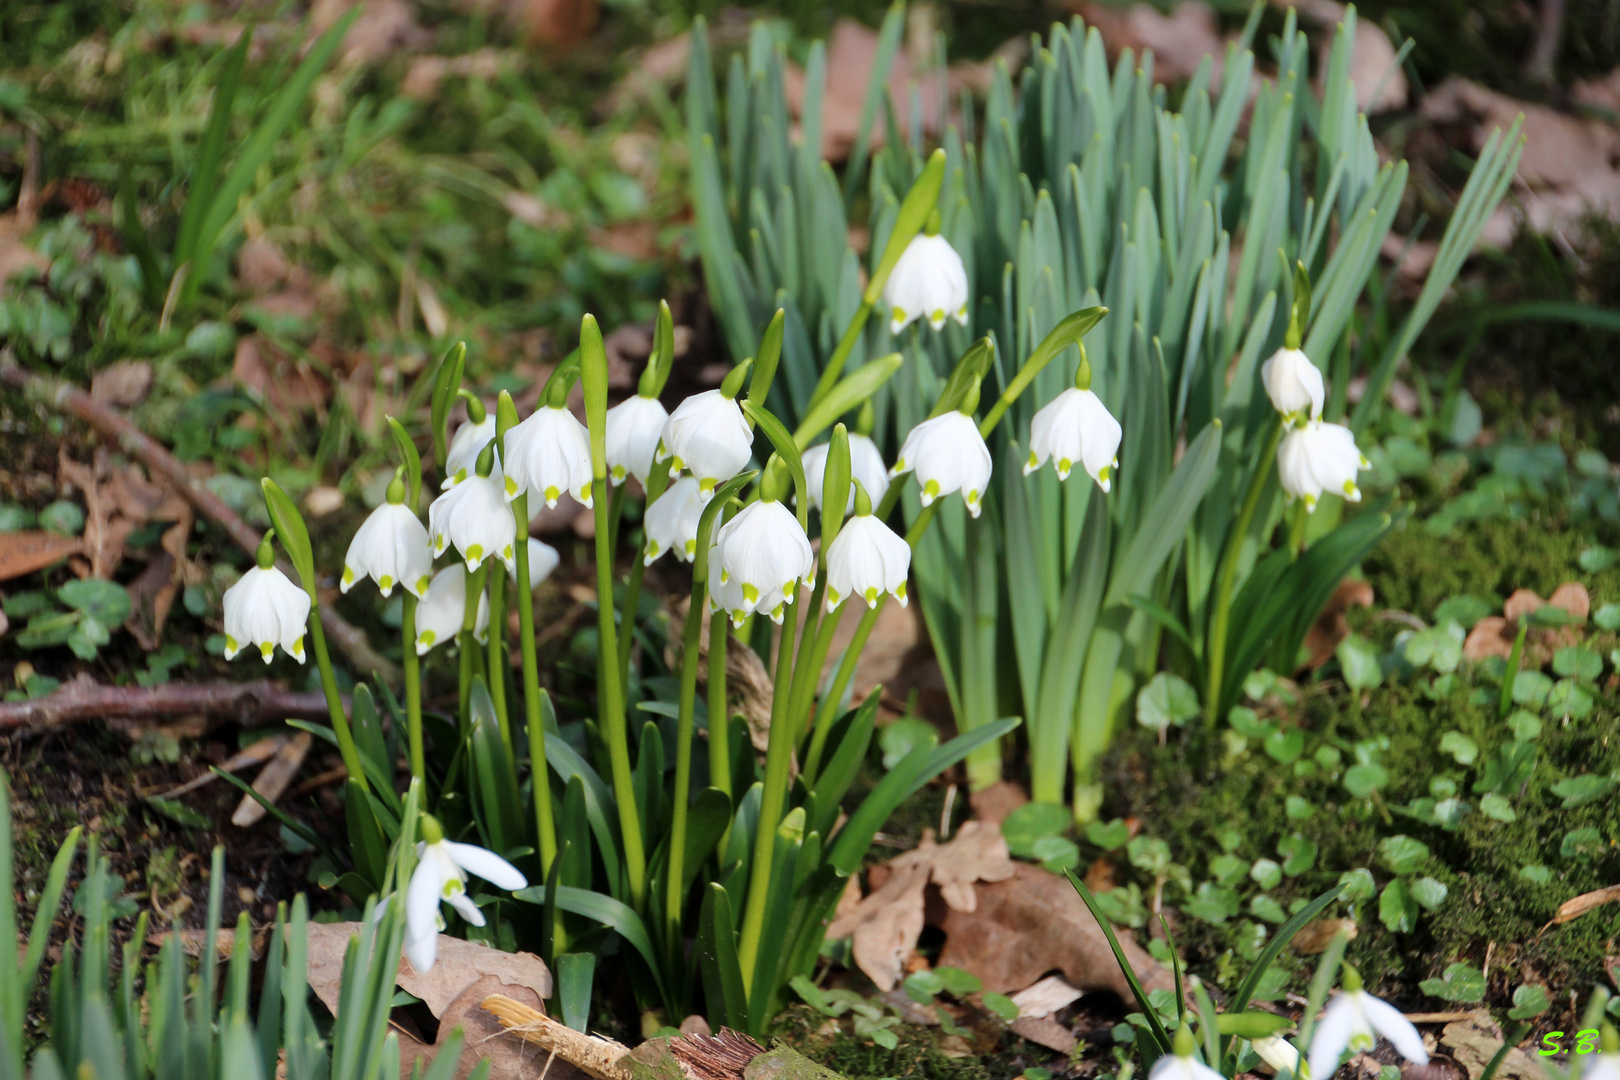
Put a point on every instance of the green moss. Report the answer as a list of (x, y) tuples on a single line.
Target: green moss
[(916, 1057)]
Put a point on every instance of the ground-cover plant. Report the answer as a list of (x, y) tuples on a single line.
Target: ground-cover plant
[(1082, 186)]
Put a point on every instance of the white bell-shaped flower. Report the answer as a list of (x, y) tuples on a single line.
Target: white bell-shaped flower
[(543, 559), (1353, 1021), (465, 445), (707, 435), (265, 609), (865, 465), (1279, 1053), (634, 427), (948, 454), (929, 282), (546, 455), (866, 559), (439, 617), (1606, 1066), (671, 522), (391, 547), (1318, 457), (757, 561), (441, 877), (1075, 428), (1182, 1067), (473, 515), (1293, 384)]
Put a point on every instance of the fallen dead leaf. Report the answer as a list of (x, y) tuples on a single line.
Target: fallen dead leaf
[(1332, 626), (1380, 83), (273, 779), (16, 253), (509, 1059), (991, 805), (122, 384), (1045, 1031), (886, 924), (193, 942), (1032, 923), (1494, 635), (557, 24), (24, 552), (1474, 1041), (1045, 997), (1315, 937), (104, 534), (1580, 905), (275, 379)]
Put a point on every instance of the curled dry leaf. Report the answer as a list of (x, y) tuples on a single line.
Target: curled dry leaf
[(1494, 635), (1580, 905), (24, 552), (886, 924), (1315, 937), (1332, 626)]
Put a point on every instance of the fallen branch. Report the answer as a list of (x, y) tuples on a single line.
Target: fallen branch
[(248, 704), (65, 397)]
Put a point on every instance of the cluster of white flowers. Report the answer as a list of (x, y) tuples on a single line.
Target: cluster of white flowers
[(1314, 456)]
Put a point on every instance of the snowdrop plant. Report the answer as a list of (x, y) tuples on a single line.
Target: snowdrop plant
[(1075, 184), (440, 877), (1354, 1022)]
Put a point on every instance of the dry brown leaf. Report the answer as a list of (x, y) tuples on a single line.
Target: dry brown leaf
[(1032, 923), (122, 384), (104, 534), (273, 779), (1474, 1041), (886, 924), (991, 805), (1179, 40), (192, 942), (1315, 937), (16, 254), (557, 24), (1332, 626), (1576, 907), (24, 552), (1494, 635), (1045, 1031), (1045, 997), (1380, 83), (851, 55), (151, 597), (510, 1059), (261, 265), (275, 379)]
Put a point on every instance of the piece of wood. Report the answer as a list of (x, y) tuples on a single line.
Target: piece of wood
[(250, 704)]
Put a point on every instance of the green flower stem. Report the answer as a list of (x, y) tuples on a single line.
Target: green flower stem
[(411, 663), (539, 773), (615, 515), (497, 650), (719, 707), (1221, 617), (466, 641), (691, 636), (657, 483), (807, 665), (846, 345), (818, 657), (778, 758), (334, 701)]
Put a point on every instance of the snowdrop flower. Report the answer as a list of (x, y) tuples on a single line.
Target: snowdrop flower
[(1607, 1065), (441, 877), (1354, 1021), (634, 427), (466, 444), (265, 609), (928, 282), (866, 559), (1318, 457), (546, 455), (757, 560), (948, 454), (1180, 1064), (865, 465), (441, 614), (473, 516), (391, 547), (1076, 428), (708, 435), (671, 522), (543, 559), (1293, 384), (1277, 1052)]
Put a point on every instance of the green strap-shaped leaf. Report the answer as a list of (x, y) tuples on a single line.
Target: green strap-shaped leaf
[(291, 531), (848, 394), (446, 383), (211, 150), (786, 449), (412, 462)]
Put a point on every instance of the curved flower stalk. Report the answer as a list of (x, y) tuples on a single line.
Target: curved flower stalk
[(265, 609), (929, 282), (441, 615), (1353, 1021), (390, 547), (671, 522), (867, 558), (1317, 457), (762, 555), (441, 877), (546, 455), (948, 454), (473, 516), (707, 435), (1293, 384), (1076, 427), (634, 427), (865, 465)]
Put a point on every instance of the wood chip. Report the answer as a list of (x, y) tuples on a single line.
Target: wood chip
[(273, 779)]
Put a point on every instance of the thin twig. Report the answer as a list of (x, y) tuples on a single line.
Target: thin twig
[(249, 704), (65, 397)]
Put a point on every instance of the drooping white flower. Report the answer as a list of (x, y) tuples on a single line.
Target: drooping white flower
[(392, 548), (546, 455), (543, 559), (671, 522), (1076, 428), (757, 561), (707, 435), (865, 465), (948, 454), (1353, 1021), (1278, 1053), (1605, 1067), (929, 282), (1293, 384), (1319, 457), (474, 517), (470, 438), (265, 609), (441, 877), (1180, 1064), (634, 427), (439, 617), (866, 559)]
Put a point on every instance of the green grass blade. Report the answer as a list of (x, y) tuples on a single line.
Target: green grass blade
[(1155, 1028), (211, 150)]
